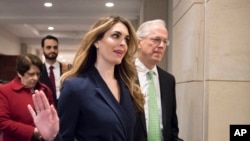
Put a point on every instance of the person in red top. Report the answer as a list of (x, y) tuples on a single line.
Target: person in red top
[(16, 122)]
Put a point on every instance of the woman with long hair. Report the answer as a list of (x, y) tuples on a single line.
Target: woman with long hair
[(99, 95)]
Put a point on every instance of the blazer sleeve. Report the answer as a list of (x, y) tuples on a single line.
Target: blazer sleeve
[(68, 111), (174, 123)]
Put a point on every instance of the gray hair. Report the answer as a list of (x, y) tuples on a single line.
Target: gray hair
[(144, 28)]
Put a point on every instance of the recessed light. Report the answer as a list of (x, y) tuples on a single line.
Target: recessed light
[(50, 28), (109, 4), (48, 4)]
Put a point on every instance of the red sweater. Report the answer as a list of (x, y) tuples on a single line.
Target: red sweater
[(16, 122)]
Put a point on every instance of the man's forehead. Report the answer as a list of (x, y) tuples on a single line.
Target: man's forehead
[(50, 41)]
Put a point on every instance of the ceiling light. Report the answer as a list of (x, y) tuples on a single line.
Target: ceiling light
[(50, 28), (48, 4), (109, 4)]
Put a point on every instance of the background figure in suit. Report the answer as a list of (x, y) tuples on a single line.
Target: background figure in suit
[(16, 122), (50, 46), (99, 96), (153, 41)]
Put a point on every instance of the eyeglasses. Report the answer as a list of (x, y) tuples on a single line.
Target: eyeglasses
[(157, 41)]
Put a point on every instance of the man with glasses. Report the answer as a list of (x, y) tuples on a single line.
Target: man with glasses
[(159, 120)]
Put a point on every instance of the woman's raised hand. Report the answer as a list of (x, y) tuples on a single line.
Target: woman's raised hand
[(45, 116)]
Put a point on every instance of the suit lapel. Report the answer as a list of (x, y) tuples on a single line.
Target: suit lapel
[(45, 77), (107, 96), (111, 104), (142, 115), (60, 65), (164, 87)]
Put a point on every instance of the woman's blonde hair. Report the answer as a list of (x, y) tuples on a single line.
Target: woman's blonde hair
[(86, 56)]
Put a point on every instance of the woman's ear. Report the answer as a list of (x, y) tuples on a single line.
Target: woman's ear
[(97, 44), (19, 75)]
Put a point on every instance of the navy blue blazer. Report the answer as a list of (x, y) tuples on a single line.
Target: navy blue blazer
[(89, 112), (169, 117)]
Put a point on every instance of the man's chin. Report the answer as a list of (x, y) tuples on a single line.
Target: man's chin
[(50, 58), (157, 59)]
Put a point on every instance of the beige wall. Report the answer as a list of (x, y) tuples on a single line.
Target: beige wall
[(12, 45), (228, 62), (9, 43), (210, 58), (187, 64)]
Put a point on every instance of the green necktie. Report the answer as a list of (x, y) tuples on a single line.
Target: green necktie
[(154, 133)]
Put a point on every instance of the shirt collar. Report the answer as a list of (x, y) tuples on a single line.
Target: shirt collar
[(143, 69), (55, 65)]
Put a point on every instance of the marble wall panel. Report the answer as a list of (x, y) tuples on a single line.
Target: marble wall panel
[(187, 46), (228, 103), (190, 107), (227, 40)]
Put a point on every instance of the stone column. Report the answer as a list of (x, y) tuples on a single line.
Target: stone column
[(210, 58), (227, 48)]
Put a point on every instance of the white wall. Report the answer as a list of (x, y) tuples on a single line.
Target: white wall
[(9, 43)]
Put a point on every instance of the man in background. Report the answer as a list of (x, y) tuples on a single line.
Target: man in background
[(52, 68), (159, 121)]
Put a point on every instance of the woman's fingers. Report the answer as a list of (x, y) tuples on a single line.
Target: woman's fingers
[(45, 101), (36, 102), (32, 112), (53, 112), (40, 101)]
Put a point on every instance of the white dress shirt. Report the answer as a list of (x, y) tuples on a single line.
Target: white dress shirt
[(142, 76), (57, 76)]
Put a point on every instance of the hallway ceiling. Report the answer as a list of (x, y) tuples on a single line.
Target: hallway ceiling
[(29, 19)]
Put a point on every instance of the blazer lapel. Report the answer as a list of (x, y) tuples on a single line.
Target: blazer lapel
[(142, 115), (60, 65), (164, 87), (106, 94)]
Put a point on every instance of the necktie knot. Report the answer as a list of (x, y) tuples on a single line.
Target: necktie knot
[(51, 67), (150, 75)]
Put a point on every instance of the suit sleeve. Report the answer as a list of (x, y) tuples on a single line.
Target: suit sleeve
[(174, 123), (68, 111)]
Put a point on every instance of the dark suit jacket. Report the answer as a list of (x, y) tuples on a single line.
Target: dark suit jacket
[(169, 118), (88, 110), (44, 78)]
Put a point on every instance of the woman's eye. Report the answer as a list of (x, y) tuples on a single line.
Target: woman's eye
[(127, 40), (115, 35)]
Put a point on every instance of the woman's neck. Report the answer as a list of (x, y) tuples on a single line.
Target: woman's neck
[(106, 72)]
